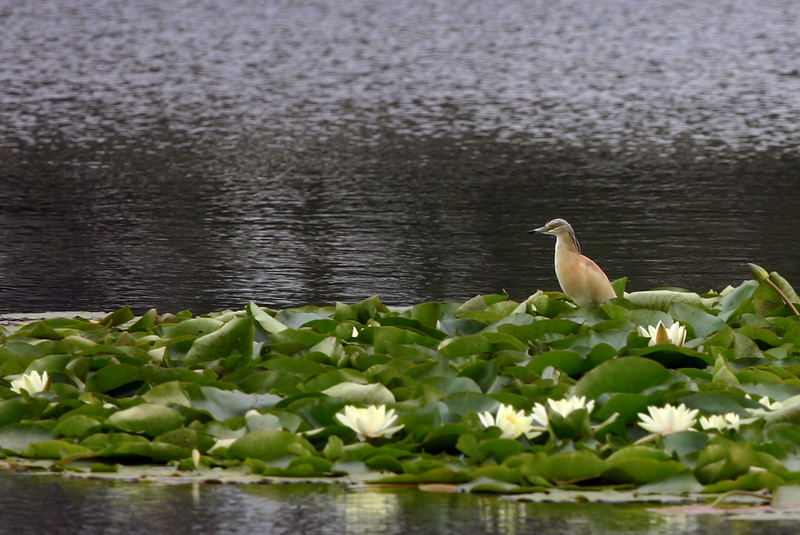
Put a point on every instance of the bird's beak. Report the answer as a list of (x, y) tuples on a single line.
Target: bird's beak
[(543, 230)]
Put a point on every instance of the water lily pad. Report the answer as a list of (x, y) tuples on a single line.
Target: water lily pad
[(626, 374), (786, 495), (114, 376), (12, 410), (236, 334), (384, 463), (17, 437), (732, 303), (434, 475), (701, 322), (268, 445), (373, 393), (138, 451), (54, 449), (572, 467), (641, 470), (752, 481), (117, 317), (147, 419), (670, 356), (76, 425), (567, 361), (225, 404), (169, 393), (264, 320)]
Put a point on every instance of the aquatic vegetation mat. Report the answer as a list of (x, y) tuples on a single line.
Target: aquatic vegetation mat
[(656, 393)]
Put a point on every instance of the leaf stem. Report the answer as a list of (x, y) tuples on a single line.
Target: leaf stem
[(783, 296), (723, 497)]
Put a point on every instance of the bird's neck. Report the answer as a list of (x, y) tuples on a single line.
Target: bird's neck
[(566, 243)]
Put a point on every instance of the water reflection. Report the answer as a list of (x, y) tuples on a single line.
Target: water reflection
[(52, 504)]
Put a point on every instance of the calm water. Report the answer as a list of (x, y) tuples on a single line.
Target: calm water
[(198, 154), (128, 508)]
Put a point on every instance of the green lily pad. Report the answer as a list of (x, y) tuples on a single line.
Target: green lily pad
[(268, 445), (114, 376), (54, 449), (137, 451), (17, 437), (626, 374), (12, 410), (77, 425), (146, 419), (236, 334), (567, 361), (572, 467), (226, 404), (376, 393)]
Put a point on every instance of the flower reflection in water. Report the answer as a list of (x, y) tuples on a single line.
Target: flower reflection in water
[(371, 511), (500, 516)]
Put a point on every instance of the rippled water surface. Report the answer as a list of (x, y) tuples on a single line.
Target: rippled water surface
[(203, 154), (90, 507)]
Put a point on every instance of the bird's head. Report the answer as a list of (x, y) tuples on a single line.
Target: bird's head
[(554, 227), (559, 228)]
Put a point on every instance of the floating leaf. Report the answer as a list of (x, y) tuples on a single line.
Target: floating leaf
[(54, 449), (567, 361), (733, 302), (434, 475), (146, 419), (264, 320), (169, 393), (786, 495), (237, 335), (375, 394), (225, 404), (114, 376), (701, 322), (572, 467), (626, 374), (12, 410), (136, 451), (76, 426), (664, 299), (752, 481), (117, 317), (268, 445), (17, 437)]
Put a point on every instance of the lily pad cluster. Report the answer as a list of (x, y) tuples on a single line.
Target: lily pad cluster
[(278, 393)]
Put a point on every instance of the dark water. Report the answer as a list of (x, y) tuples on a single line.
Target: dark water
[(198, 154), (89, 507)]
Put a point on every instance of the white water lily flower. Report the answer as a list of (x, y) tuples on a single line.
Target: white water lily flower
[(222, 443), (196, 458), (659, 334), (371, 422), (540, 416), (766, 406), (667, 419), (512, 423), (565, 406), (771, 405), (720, 421), (30, 382)]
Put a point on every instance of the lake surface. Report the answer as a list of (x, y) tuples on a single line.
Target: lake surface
[(109, 508), (199, 155)]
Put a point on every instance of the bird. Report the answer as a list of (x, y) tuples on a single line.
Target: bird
[(579, 277)]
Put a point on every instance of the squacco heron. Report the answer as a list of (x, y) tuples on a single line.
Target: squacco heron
[(580, 278)]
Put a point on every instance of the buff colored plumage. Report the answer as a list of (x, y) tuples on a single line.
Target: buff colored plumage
[(580, 278)]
